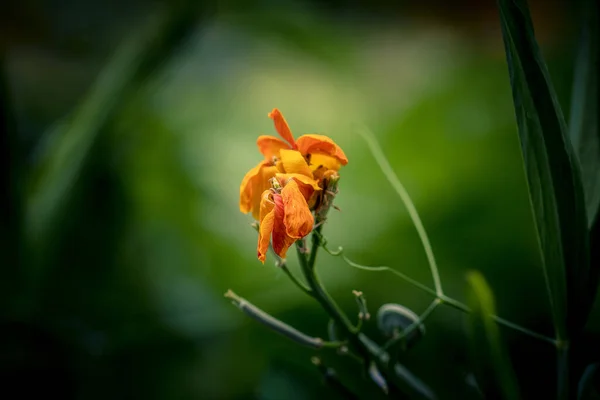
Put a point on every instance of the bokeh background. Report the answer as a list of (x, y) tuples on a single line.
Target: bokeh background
[(128, 126)]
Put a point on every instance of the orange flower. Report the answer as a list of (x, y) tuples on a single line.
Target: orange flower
[(303, 160), (284, 218)]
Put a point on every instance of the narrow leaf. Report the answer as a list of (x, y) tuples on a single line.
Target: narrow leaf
[(493, 370), (583, 123), (553, 175), (585, 135)]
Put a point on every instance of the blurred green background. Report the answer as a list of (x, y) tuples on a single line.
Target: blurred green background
[(129, 126)]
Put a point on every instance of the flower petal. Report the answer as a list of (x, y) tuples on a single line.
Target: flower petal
[(264, 235), (294, 163), (269, 146), (253, 185), (318, 161), (260, 185), (320, 144), (298, 219), (281, 240), (307, 185), (266, 204), (247, 186), (282, 127)]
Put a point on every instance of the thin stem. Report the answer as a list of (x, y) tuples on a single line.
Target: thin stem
[(279, 326), (296, 281), (455, 304), (562, 349), (319, 292), (281, 263), (408, 279), (408, 203), (511, 325), (443, 298)]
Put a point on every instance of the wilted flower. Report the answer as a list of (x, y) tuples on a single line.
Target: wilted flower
[(282, 189), (304, 159)]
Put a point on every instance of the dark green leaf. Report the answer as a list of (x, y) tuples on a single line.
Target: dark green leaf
[(585, 132), (553, 174), (583, 124), (493, 370)]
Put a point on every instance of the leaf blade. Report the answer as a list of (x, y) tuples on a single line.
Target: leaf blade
[(494, 372), (583, 123), (553, 175), (584, 131)]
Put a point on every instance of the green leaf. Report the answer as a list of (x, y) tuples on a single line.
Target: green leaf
[(552, 172), (583, 123), (585, 133), (493, 370)]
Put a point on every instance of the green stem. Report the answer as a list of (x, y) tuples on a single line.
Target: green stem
[(519, 328), (366, 349), (443, 298), (408, 203), (562, 349), (279, 326), (500, 321), (295, 280), (319, 292)]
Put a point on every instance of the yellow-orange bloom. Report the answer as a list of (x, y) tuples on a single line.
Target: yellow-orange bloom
[(304, 159), (284, 218)]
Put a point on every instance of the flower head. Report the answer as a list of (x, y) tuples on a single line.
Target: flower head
[(299, 168)]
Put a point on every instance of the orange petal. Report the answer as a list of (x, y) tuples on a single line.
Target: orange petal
[(253, 185), (281, 240), (294, 163), (307, 186), (298, 219), (266, 204), (247, 186), (282, 127), (269, 146), (320, 144), (264, 235), (262, 183)]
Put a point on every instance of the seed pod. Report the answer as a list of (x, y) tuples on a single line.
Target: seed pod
[(278, 326), (393, 320)]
